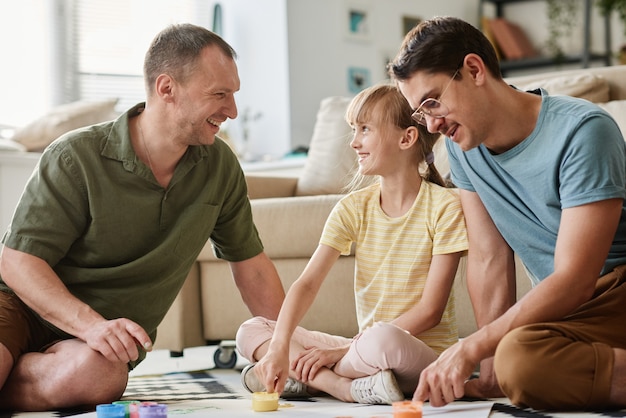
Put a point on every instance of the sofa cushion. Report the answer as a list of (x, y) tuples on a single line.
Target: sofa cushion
[(592, 87), (41, 132), (330, 160), (617, 109), (10, 145)]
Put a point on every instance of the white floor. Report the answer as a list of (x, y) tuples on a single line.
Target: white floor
[(195, 358), (201, 358)]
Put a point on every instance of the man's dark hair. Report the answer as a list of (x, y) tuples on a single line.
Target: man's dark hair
[(175, 51), (439, 45)]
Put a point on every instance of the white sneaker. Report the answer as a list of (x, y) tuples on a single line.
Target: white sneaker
[(380, 388), (293, 388)]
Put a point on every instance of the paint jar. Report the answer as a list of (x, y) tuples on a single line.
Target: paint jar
[(264, 402), (152, 411), (110, 411), (407, 409), (132, 408)]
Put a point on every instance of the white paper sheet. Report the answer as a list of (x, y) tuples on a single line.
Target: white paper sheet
[(335, 409)]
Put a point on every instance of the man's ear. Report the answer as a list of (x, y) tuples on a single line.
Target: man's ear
[(164, 87), (409, 138), (475, 68)]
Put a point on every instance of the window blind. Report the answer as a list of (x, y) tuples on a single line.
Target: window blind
[(105, 41)]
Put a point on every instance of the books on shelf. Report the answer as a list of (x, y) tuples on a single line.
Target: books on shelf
[(509, 38)]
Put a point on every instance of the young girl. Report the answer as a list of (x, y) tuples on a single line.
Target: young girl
[(409, 234)]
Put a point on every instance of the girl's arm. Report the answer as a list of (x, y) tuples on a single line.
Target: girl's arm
[(273, 368), (427, 313)]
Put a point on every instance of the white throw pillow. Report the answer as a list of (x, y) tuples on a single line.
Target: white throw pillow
[(591, 87), (617, 109), (10, 145), (331, 160), (38, 134)]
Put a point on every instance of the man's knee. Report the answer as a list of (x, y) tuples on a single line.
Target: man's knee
[(515, 366), (527, 367), (87, 377)]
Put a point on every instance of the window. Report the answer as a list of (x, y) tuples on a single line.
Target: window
[(104, 42)]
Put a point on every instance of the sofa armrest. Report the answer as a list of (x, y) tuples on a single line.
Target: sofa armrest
[(260, 186), (291, 227)]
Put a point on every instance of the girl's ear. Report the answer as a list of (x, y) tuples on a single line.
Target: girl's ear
[(409, 138)]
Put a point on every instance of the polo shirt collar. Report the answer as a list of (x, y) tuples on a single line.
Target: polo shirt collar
[(119, 147)]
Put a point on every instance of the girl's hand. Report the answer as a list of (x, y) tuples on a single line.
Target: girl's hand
[(273, 370), (312, 359)]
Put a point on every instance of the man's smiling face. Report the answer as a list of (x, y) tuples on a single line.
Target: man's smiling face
[(444, 96)]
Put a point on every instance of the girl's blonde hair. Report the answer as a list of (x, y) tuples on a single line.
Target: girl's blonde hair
[(393, 109)]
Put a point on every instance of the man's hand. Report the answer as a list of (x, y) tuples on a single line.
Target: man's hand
[(312, 359), (117, 339), (444, 380)]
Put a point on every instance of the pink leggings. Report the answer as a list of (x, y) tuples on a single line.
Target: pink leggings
[(380, 347)]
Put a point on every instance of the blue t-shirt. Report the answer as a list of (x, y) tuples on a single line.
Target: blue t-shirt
[(574, 156)]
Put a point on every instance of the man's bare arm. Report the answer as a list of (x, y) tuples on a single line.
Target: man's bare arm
[(259, 285), (35, 283), (491, 282), (583, 242)]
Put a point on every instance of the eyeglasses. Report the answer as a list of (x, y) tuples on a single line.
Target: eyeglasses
[(433, 107)]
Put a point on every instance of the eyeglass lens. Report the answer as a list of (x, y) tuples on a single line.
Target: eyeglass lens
[(432, 107)]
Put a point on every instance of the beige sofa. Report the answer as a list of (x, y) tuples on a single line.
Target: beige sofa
[(290, 214)]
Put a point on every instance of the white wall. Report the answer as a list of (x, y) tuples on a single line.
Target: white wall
[(292, 54), (257, 30), (24, 51), (290, 85), (321, 51)]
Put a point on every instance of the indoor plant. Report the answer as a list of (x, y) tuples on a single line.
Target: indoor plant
[(562, 17), (619, 6)]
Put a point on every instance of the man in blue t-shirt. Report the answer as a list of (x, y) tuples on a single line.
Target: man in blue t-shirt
[(543, 177)]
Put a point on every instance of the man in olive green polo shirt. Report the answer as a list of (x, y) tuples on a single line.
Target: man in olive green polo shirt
[(112, 221)]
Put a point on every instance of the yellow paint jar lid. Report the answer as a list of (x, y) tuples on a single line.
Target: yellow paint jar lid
[(264, 402)]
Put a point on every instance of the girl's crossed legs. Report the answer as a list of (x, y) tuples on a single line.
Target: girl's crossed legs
[(380, 347)]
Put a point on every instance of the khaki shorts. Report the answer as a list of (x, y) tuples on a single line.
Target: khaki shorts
[(21, 331), (567, 364)]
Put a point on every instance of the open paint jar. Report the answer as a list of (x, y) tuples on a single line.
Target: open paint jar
[(407, 409), (264, 402)]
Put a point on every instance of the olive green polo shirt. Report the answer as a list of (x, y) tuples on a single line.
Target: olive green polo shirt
[(118, 240)]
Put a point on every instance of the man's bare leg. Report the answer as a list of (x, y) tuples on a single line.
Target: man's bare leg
[(617, 395), (69, 374)]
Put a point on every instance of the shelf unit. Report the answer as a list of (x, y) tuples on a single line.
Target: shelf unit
[(585, 57)]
